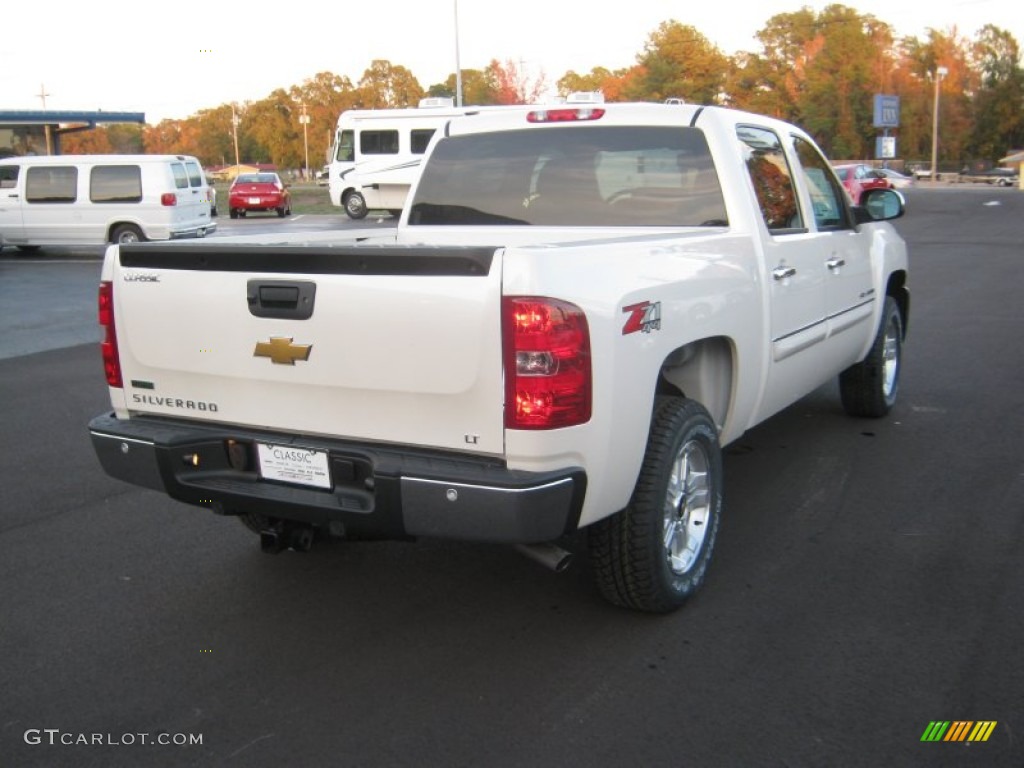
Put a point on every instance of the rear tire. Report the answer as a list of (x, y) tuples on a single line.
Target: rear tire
[(127, 233), (280, 212), (870, 387), (653, 555), (233, 213)]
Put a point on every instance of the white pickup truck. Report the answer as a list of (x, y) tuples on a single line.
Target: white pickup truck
[(579, 308)]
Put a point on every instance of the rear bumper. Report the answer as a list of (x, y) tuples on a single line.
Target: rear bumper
[(201, 230), (381, 492)]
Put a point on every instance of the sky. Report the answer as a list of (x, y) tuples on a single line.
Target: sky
[(172, 60)]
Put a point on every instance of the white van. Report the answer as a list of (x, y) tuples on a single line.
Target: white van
[(95, 199), (377, 152)]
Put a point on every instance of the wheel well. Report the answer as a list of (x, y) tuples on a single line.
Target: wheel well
[(897, 288), (702, 371), (117, 224)]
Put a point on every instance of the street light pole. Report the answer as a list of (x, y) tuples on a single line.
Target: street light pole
[(458, 66), (940, 72)]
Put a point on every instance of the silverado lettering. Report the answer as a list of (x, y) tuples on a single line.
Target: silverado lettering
[(174, 402), (579, 307)]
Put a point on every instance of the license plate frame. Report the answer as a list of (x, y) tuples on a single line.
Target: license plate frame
[(294, 465)]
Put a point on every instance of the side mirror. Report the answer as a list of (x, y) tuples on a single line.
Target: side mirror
[(880, 205)]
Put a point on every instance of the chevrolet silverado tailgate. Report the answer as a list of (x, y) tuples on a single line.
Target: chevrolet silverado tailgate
[(363, 342)]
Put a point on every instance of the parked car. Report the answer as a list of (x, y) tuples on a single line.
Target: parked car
[(859, 178), (323, 176), (897, 179), (259, 192), (1004, 177)]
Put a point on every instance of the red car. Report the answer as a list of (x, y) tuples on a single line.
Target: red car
[(259, 192), (858, 179)]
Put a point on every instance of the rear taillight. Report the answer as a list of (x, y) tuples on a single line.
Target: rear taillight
[(111, 361), (547, 363), (168, 198), (564, 115)]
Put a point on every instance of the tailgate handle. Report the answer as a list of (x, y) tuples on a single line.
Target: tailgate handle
[(281, 299)]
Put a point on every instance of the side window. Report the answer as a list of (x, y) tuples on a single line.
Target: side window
[(195, 173), (420, 139), (378, 142), (773, 181), (827, 196), (180, 175), (8, 176), (51, 184), (116, 184), (346, 147)]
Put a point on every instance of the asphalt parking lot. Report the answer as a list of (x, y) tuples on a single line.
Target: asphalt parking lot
[(867, 580)]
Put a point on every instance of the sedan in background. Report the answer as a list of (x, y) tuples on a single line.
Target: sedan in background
[(858, 179), (897, 179), (259, 192)]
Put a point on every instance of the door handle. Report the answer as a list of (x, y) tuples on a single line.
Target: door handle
[(781, 273), (835, 262), (281, 299)]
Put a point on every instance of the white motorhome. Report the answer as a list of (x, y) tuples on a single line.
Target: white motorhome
[(377, 153), (96, 199)]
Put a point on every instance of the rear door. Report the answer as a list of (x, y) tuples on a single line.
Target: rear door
[(197, 199), (11, 227), (850, 300)]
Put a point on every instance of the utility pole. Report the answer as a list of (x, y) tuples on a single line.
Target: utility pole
[(940, 72), (46, 129), (234, 130), (304, 119)]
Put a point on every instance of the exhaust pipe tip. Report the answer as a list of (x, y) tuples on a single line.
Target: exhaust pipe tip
[(550, 555)]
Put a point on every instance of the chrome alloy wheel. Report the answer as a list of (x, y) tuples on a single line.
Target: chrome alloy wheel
[(687, 507), (890, 358)]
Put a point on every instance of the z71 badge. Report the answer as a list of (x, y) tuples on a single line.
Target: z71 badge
[(644, 317)]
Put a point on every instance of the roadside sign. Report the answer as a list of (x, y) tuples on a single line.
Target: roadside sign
[(887, 111)]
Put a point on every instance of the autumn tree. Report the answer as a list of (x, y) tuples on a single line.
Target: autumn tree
[(385, 85), (511, 85), (922, 58), (611, 84), (91, 142), (678, 62), (325, 96), (273, 123), (999, 102)]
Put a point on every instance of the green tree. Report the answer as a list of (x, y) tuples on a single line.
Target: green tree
[(477, 88), (679, 62)]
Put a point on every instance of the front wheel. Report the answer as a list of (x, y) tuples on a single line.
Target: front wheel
[(355, 205), (869, 388), (126, 233), (653, 555)]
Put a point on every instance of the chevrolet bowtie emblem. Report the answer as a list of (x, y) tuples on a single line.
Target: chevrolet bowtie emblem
[(281, 350)]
